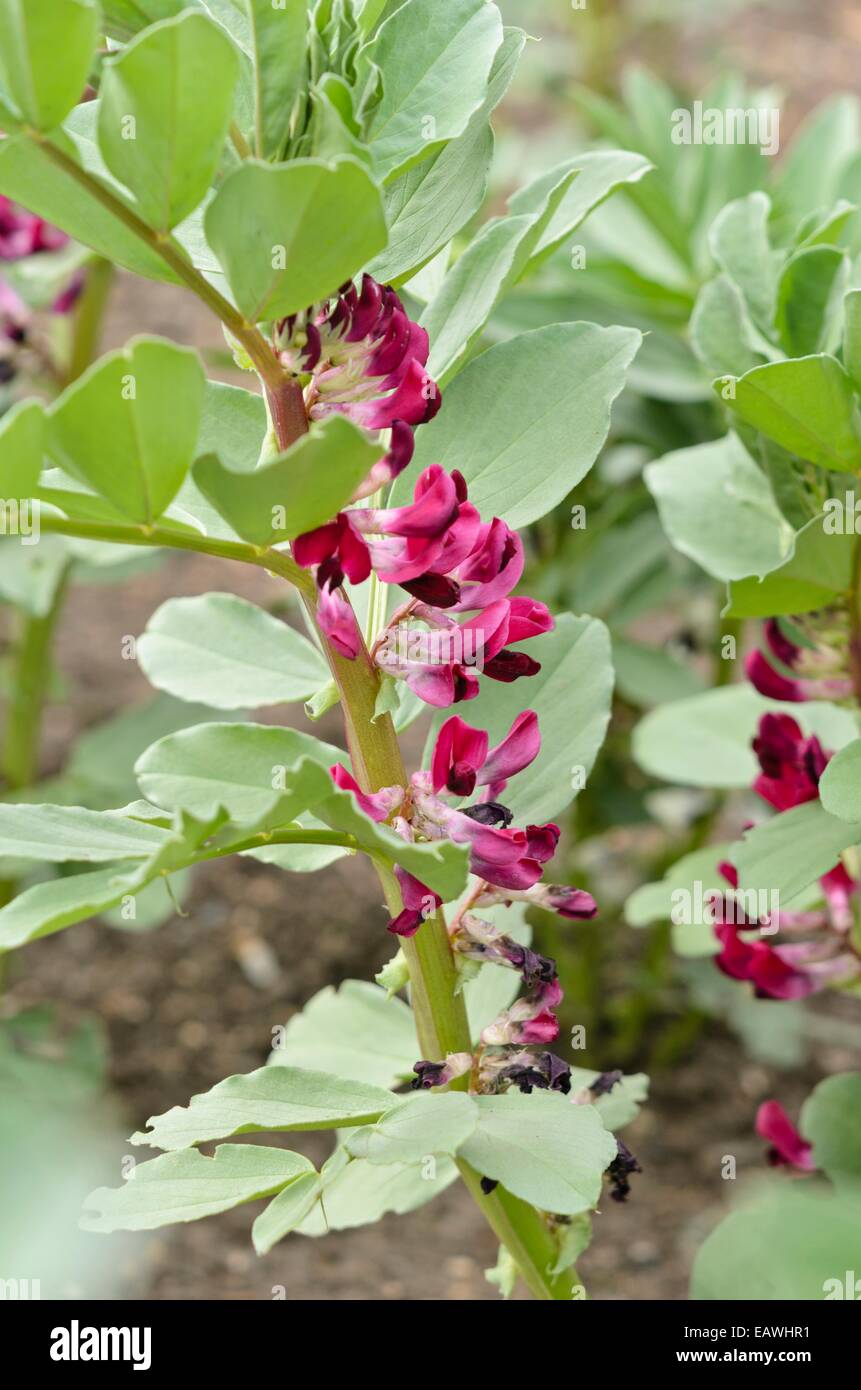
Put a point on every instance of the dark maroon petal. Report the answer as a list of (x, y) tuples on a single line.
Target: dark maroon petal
[(401, 448), (366, 311), (311, 352), (406, 923), (541, 841), (437, 590), (508, 666), (428, 1074)]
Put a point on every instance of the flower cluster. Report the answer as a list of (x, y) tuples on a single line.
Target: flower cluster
[(783, 670), (361, 355), (508, 862), (23, 234), (791, 767), (365, 358)]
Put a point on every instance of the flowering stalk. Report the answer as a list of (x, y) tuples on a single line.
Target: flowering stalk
[(438, 1007)]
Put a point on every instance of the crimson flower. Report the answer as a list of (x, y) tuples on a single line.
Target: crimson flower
[(361, 355), (786, 671), (786, 1144)]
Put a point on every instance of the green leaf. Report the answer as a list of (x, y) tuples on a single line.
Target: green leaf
[(806, 405), (156, 134), (420, 1126), (361, 1193), (796, 1242), (620, 1105), (432, 201), (222, 647), (57, 834), (819, 568), (29, 177), (792, 850), (31, 574), (525, 421), (22, 445), (278, 36), (271, 1098), (101, 764), (738, 240), (717, 507), (852, 335), (233, 425), (598, 174), (249, 769), (296, 491), (435, 65), (721, 332), (125, 18), (187, 1186), (289, 235), (648, 676), (357, 1032), (493, 261), (127, 428), (552, 1153), (811, 174), (572, 695), (809, 295), (705, 741), (831, 1120), (840, 786), (46, 49), (691, 880), (61, 902), (286, 1211)]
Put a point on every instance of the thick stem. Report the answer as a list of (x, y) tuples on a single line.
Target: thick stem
[(31, 674), (287, 411)]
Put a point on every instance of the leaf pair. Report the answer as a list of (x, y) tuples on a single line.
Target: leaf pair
[(541, 1148)]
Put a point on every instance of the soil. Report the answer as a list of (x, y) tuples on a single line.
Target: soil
[(197, 1000)]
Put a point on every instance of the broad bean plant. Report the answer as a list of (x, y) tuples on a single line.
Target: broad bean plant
[(380, 465), (770, 509)]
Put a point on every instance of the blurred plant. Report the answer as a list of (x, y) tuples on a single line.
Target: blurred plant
[(769, 509)]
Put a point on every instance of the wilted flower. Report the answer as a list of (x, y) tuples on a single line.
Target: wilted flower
[(529, 1020), (430, 1074), (620, 1170)]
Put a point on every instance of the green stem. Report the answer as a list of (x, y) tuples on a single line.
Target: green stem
[(32, 673), (89, 314)]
